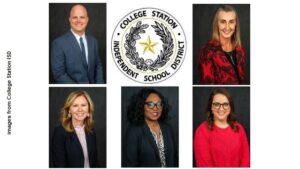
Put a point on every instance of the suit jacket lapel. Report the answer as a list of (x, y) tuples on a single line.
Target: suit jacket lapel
[(76, 139), (90, 51), (151, 139), (89, 143)]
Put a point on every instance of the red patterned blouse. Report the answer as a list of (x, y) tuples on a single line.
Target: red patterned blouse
[(215, 68)]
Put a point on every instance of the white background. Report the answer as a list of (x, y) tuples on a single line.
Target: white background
[(274, 82)]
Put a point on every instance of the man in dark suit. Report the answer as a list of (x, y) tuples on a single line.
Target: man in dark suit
[(74, 55)]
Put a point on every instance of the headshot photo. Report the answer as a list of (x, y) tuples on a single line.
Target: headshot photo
[(221, 44), (221, 126), (77, 127), (150, 127), (77, 43)]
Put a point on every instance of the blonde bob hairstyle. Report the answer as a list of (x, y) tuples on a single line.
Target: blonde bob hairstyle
[(236, 38), (66, 121)]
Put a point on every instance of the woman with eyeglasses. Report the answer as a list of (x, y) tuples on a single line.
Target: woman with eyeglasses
[(149, 140), (221, 141)]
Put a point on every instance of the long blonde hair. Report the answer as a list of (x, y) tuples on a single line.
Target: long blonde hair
[(236, 38), (66, 121)]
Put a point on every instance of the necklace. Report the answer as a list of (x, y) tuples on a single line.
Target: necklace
[(231, 57)]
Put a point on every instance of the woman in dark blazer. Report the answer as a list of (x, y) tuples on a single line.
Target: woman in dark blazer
[(149, 140), (74, 141)]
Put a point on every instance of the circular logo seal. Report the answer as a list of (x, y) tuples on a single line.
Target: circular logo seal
[(148, 45)]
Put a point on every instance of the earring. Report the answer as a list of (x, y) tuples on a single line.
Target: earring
[(88, 115), (69, 115)]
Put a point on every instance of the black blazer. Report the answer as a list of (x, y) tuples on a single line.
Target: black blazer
[(140, 149), (67, 151)]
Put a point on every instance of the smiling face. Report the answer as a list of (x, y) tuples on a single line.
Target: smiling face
[(220, 108), (79, 110), (78, 19), (226, 24), (152, 113)]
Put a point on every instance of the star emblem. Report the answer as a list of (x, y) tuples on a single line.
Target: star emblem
[(148, 45)]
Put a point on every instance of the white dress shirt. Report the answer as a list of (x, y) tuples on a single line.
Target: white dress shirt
[(84, 42)]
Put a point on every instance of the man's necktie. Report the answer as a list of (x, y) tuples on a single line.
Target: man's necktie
[(82, 48)]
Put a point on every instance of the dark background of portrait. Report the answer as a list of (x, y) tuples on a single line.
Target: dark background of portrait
[(57, 98), (59, 25), (203, 15), (170, 94), (241, 100)]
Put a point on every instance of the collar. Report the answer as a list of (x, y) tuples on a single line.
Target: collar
[(77, 36), (79, 128)]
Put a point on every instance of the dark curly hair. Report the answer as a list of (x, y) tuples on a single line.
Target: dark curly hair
[(135, 110), (231, 119)]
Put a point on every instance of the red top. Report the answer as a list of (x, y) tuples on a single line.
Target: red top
[(221, 147), (215, 67)]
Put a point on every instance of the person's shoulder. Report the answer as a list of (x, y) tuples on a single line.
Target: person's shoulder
[(202, 127), (202, 130), (91, 37), (134, 128), (240, 49), (134, 131), (167, 126), (59, 130), (62, 37), (211, 45), (91, 133), (59, 135), (239, 125)]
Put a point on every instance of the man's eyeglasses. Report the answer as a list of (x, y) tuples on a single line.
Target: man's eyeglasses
[(151, 105), (217, 105)]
